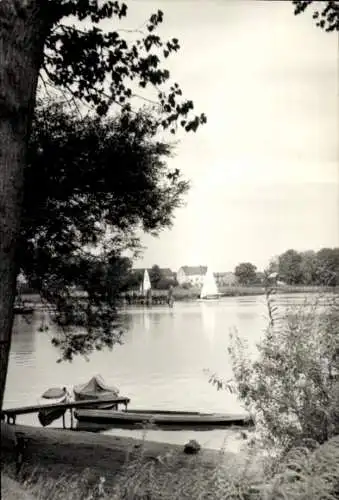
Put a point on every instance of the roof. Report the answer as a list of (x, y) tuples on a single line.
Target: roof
[(194, 270)]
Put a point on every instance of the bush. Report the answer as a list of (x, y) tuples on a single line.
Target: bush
[(186, 286), (166, 283), (292, 386)]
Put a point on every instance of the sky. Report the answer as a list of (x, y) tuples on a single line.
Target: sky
[(264, 170)]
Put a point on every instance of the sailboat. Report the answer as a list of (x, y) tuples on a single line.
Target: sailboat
[(209, 288), (146, 283)]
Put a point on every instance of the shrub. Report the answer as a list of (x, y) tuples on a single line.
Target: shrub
[(292, 387)]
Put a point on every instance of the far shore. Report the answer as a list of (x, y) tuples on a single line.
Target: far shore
[(181, 294), (242, 291)]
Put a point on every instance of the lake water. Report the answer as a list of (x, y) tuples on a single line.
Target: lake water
[(160, 365)]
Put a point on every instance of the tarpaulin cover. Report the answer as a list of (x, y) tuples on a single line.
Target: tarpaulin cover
[(94, 389)]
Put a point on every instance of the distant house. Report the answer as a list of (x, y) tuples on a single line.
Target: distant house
[(192, 275)]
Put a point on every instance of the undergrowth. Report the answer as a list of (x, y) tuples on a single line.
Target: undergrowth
[(302, 475), (291, 384)]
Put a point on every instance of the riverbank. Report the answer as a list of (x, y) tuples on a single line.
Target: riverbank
[(53, 454), (62, 464), (243, 291)]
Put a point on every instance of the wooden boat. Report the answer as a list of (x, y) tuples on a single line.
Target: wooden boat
[(54, 395), (96, 388), (174, 420)]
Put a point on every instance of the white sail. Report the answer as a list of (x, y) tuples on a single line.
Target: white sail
[(209, 287), (146, 284)]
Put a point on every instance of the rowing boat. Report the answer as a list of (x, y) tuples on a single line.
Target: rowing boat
[(160, 418), (48, 415)]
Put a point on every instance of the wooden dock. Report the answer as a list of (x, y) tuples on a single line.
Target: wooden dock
[(158, 298), (12, 413)]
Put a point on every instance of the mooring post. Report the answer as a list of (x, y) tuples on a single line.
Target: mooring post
[(20, 450), (72, 423)]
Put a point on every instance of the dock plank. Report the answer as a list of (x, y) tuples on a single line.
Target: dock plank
[(24, 410)]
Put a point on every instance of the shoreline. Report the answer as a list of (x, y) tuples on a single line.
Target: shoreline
[(57, 453), (193, 294), (61, 464)]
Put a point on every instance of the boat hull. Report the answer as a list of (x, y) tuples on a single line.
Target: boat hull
[(161, 419), (99, 405), (48, 416)]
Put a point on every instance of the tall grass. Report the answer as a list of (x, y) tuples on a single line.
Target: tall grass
[(302, 475)]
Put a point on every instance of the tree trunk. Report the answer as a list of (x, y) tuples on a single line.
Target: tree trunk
[(21, 52)]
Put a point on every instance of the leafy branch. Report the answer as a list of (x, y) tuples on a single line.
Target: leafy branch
[(100, 67)]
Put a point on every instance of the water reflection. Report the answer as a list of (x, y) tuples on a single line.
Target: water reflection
[(24, 336), (208, 316), (146, 320)]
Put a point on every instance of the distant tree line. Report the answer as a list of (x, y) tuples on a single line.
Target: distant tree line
[(296, 268), (159, 279), (308, 268), (246, 273), (116, 275)]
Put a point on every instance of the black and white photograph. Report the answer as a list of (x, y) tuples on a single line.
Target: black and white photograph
[(169, 249)]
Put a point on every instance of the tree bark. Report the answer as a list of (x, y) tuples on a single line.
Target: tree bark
[(22, 36)]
